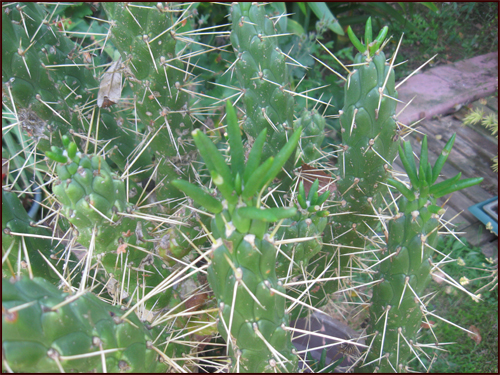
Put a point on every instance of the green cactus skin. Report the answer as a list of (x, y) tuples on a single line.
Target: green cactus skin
[(310, 221), (60, 77), (370, 138), (395, 312), (36, 338), (158, 81), (15, 219), (243, 254), (260, 62), (312, 136), (92, 199)]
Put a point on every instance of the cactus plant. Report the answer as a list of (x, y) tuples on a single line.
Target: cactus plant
[(45, 330), (241, 272), (250, 248), (396, 306)]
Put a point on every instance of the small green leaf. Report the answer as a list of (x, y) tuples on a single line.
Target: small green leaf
[(323, 197), (355, 41), (238, 184), (402, 189), (368, 31), (198, 195), (468, 182), (210, 152), (255, 213), (302, 201), (313, 190), (255, 155), (65, 140), (436, 170), (302, 191), (282, 157), (235, 143), (411, 172), (56, 157), (226, 190), (283, 212), (445, 184), (324, 14), (269, 215), (72, 149), (424, 157), (381, 36), (255, 180)]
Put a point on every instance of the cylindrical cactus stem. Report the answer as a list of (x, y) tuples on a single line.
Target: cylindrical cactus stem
[(94, 200), (252, 317), (24, 245), (312, 136), (53, 82), (369, 142), (310, 221), (396, 308), (263, 76), (46, 330), (146, 39)]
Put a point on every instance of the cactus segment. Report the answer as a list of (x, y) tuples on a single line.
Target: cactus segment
[(263, 76), (94, 200), (242, 273), (396, 310), (146, 38), (22, 251), (312, 136), (52, 84), (309, 221), (46, 330), (370, 139)]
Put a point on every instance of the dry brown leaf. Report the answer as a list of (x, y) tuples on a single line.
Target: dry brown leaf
[(477, 337), (426, 325), (438, 276), (110, 88), (122, 248)]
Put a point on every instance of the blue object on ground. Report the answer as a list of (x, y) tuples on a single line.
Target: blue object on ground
[(477, 211)]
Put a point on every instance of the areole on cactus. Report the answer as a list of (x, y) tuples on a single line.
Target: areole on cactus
[(192, 220)]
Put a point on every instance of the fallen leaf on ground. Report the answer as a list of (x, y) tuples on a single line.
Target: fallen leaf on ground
[(438, 276), (426, 325), (477, 337)]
